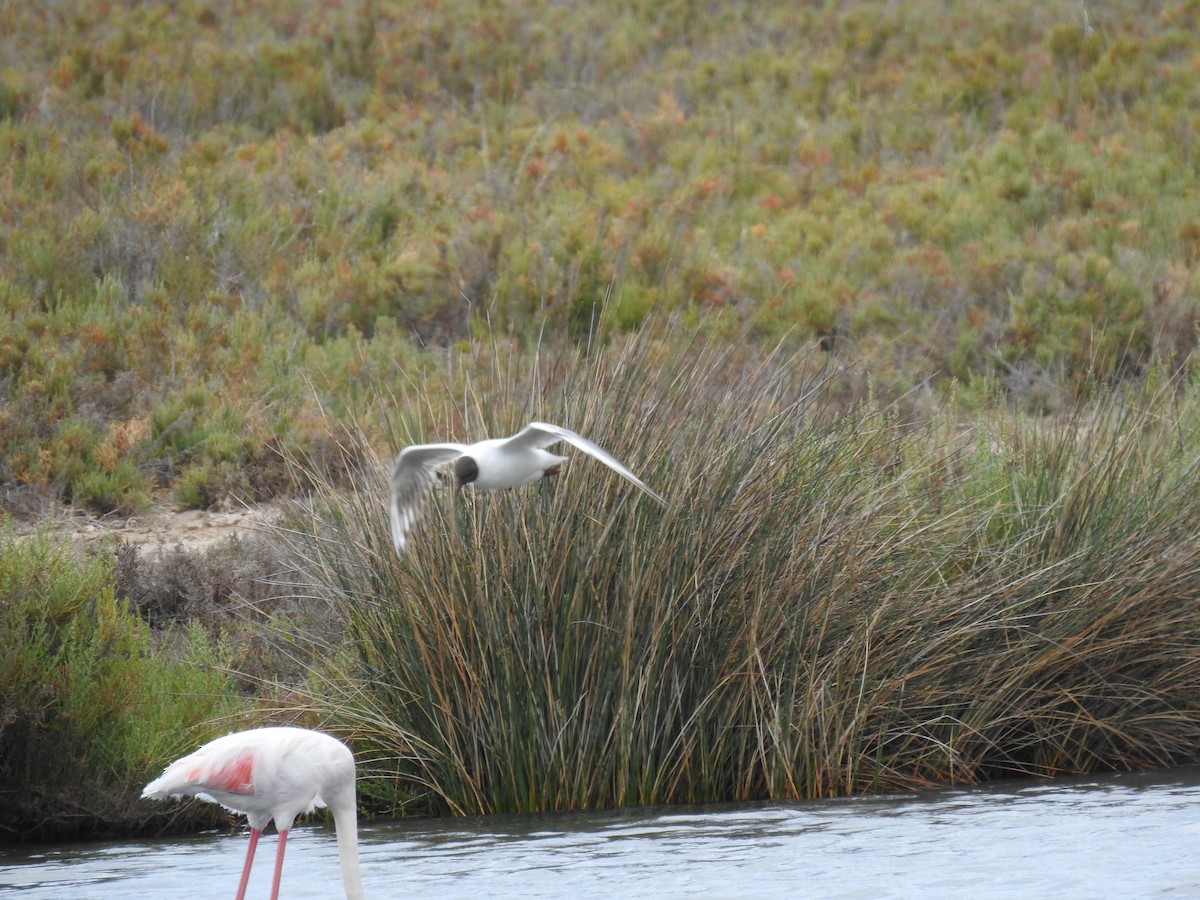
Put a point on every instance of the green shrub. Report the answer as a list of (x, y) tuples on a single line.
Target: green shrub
[(91, 705), (121, 490)]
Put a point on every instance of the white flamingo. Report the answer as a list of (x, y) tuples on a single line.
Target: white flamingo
[(273, 773), (495, 463)]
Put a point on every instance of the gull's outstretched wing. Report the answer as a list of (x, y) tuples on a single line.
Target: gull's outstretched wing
[(540, 434), (412, 477)]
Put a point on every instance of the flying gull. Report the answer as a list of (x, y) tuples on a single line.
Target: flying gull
[(495, 463)]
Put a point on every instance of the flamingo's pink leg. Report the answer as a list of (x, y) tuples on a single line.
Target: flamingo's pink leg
[(254, 833), (278, 865)]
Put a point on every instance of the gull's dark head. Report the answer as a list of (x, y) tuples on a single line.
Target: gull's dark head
[(466, 470)]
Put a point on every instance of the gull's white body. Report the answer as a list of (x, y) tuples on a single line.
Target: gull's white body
[(503, 464), (273, 774), (494, 464)]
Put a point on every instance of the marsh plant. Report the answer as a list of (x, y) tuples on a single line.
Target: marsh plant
[(835, 600)]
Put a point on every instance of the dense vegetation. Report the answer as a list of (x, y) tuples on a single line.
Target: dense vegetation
[(219, 221), (896, 301)]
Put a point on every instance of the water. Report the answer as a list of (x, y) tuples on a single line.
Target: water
[(1113, 836)]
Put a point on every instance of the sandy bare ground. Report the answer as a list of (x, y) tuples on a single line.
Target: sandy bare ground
[(161, 525)]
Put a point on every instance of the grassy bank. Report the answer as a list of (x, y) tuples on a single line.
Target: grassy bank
[(834, 601)]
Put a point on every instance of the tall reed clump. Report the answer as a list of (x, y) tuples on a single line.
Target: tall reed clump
[(91, 705), (833, 601)]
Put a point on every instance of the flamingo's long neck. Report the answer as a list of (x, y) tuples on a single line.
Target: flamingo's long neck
[(345, 820)]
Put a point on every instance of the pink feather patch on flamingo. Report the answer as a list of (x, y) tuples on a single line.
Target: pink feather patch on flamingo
[(236, 776)]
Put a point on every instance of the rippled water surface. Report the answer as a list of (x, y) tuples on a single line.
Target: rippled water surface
[(1118, 836)]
